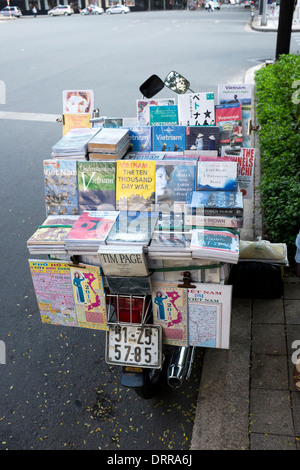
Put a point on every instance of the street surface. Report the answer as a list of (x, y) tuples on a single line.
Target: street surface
[(56, 392)]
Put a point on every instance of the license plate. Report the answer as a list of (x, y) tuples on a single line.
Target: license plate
[(134, 345)]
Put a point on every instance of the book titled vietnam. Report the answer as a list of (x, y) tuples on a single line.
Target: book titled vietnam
[(229, 120), (196, 109), (135, 186), (168, 138), (170, 310), (60, 184), (123, 261), (163, 115), (96, 181), (143, 113), (140, 138)]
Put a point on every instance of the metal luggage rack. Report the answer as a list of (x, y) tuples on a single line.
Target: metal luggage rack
[(113, 308)]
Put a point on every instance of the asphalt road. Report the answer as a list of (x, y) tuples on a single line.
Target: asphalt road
[(56, 392)]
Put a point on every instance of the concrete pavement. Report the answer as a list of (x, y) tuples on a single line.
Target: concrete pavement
[(247, 398)]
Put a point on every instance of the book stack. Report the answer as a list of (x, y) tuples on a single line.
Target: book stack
[(170, 245), (90, 231), (132, 228), (109, 144), (51, 235), (74, 144), (216, 244)]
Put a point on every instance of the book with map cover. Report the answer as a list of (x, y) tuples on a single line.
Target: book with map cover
[(170, 310), (209, 310), (60, 184), (69, 295)]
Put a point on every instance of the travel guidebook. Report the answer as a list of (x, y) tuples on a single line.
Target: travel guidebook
[(135, 187), (143, 108), (140, 139), (229, 120), (60, 183), (163, 115), (170, 310), (209, 307), (196, 109), (50, 236), (202, 138), (96, 185), (69, 295), (173, 180), (168, 138)]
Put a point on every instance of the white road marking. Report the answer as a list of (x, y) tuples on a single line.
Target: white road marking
[(29, 116)]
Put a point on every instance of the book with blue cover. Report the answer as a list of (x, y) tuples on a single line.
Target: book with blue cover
[(168, 138), (60, 184), (217, 176), (215, 203), (140, 138)]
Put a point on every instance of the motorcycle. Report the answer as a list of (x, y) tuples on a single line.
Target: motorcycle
[(133, 340)]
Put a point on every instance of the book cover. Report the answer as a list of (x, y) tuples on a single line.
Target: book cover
[(209, 307), (111, 139), (96, 181), (133, 227), (143, 112), (196, 109), (113, 122), (202, 138), (123, 261), (74, 142), (69, 295), (170, 310), (229, 120), (215, 243), (168, 138), (245, 160), (60, 185), (92, 226), (140, 139), (78, 101), (135, 187), (173, 180), (163, 115), (233, 93), (75, 121), (215, 203), (144, 156), (195, 221), (53, 231), (217, 176)]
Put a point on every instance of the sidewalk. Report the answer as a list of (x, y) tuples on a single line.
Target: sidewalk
[(247, 399), (272, 24)]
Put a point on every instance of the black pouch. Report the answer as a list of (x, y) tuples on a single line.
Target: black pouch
[(257, 280)]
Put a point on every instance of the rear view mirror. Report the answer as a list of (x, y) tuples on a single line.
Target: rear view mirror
[(177, 82), (151, 86)]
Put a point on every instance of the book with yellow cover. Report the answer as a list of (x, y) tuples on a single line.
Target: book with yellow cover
[(135, 185)]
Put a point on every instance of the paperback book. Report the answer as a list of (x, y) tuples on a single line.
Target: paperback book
[(163, 115), (74, 143), (143, 108), (229, 120), (135, 187), (50, 236), (196, 109), (170, 310), (78, 101), (96, 156), (209, 307), (109, 140), (168, 138), (216, 203), (217, 175), (75, 121), (89, 231), (96, 182), (245, 160), (218, 244), (60, 185), (140, 139), (69, 295), (123, 261), (173, 180), (202, 139), (170, 241), (132, 227)]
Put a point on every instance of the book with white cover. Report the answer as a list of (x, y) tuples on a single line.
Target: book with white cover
[(122, 261), (196, 109)]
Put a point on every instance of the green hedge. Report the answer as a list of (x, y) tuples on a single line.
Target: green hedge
[(278, 113)]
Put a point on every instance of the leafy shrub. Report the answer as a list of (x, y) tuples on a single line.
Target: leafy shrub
[(279, 118)]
